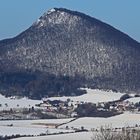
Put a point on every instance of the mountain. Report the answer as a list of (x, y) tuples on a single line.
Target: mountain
[(65, 50)]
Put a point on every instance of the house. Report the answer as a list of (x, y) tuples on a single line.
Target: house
[(74, 114)]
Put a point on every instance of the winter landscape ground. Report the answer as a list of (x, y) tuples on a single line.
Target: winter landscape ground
[(69, 76), (68, 128)]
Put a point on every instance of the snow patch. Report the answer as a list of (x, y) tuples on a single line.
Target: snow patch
[(119, 121), (30, 127), (51, 11), (93, 96), (134, 100), (14, 102), (72, 136), (38, 21)]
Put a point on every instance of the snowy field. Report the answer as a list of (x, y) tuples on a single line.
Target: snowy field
[(93, 96), (119, 121), (123, 120), (28, 123), (9, 131), (72, 136), (36, 127), (134, 100), (7, 103), (31, 127)]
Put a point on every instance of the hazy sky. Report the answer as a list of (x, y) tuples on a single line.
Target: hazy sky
[(18, 15)]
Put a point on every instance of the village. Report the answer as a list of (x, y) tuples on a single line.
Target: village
[(49, 109)]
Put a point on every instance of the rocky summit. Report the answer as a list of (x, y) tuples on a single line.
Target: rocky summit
[(65, 50)]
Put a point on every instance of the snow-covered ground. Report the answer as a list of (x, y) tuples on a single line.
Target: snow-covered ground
[(7, 103), (93, 96), (27, 127), (123, 120), (29, 123), (134, 100), (9, 131), (119, 121), (30, 127), (72, 136), (36, 127)]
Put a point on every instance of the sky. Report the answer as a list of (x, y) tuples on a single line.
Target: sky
[(18, 15)]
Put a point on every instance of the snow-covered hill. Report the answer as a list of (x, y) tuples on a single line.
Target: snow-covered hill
[(64, 45), (93, 96), (7, 103), (119, 121), (134, 100)]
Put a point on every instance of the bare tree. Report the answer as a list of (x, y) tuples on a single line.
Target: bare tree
[(107, 133)]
